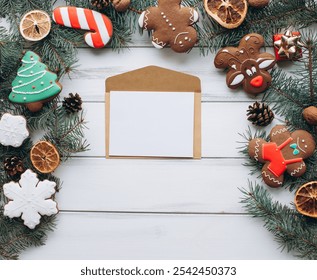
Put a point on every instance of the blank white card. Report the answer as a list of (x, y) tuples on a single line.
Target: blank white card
[(151, 124)]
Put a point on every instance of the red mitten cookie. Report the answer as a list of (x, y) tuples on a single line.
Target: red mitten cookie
[(171, 25), (247, 66), (285, 153)]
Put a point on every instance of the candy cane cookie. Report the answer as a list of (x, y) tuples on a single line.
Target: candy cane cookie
[(99, 25)]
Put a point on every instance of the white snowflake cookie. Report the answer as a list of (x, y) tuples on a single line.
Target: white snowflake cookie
[(30, 198), (13, 130)]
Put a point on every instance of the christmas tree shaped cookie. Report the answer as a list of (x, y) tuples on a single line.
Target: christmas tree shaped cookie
[(34, 84)]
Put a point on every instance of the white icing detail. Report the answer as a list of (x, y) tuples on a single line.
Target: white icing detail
[(13, 130), (156, 45), (164, 16), (194, 16), (39, 75), (237, 80), (303, 141), (179, 34), (234, 66), (298, 169), (144, 17), (271, 178), (279, 131), (174, 28), (253, 69), (30, 198), (249, 72), (82, 19), (225, 50), (256, 151), (247, 38), (102, 28), (266, 63), (299, 147), (65, 17), (241, 51)]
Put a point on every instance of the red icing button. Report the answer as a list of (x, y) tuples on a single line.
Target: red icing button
[(257, 81)]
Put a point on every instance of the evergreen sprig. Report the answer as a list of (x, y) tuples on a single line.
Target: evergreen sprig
[(293, 231), (266, 21), (58, 51)]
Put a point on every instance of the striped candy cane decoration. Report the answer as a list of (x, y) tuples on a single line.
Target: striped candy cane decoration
[(86, 19)]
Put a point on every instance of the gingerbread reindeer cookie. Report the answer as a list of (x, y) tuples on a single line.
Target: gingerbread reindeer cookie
[(171, 25), (247, 65), (285, 153)]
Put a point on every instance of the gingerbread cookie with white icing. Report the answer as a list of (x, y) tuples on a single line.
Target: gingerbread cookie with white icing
[(248, 67), (285, 153), (34, 84), (171, 24)]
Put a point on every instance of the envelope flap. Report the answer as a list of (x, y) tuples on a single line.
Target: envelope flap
[(153, 78)]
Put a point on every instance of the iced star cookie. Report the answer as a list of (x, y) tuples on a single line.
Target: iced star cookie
[(171, 25), (34, 84)]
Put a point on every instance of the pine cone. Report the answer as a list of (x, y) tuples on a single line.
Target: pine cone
[(100, 4), (72, 103), (13, 166), (260, 114)]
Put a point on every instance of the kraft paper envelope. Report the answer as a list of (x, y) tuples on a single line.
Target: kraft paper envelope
[(159, 80)]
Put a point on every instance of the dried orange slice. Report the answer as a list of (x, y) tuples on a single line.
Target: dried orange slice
[(44, 157), (306, 199), (35, 25), (228, 13)]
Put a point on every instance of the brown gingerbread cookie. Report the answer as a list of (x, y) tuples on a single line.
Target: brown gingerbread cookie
[(258, 3), (285, 153), (247, 65), (171, 25)]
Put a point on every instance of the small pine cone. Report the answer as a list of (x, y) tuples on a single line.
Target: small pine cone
[(72, 103), (260, 114), (100, 4), (13, 166)]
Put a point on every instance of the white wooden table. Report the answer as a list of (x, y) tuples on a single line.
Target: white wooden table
[(157, 209)]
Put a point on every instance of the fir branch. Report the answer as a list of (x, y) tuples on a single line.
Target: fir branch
[(292, 231)]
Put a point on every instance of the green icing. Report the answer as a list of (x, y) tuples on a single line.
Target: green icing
[(34, 82)]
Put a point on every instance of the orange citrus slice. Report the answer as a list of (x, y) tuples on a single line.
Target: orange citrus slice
[(228, 13), (306, 199), (44, 157), (35, 25)]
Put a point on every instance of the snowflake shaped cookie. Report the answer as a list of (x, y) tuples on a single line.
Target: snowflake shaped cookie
[(30, 198), (13, 130)]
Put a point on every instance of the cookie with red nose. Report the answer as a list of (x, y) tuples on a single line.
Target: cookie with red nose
[(247, 65)]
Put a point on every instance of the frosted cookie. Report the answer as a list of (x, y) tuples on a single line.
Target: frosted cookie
[(285, 153), (34, 84), (248, 67), (30, 199), (171, 25), (98, 24), (13, 130)]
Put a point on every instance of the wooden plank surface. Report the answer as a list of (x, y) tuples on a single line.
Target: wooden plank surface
[(144, 236), (158, 209)]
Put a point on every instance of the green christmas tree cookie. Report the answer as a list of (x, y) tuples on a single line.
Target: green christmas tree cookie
[(34, 84)]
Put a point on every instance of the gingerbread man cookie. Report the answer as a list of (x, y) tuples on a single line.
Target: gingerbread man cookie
[(171, 25), (285, 153), (247, 66)]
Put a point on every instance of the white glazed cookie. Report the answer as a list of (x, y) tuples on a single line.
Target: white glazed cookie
[(30, 198), (13, 130)]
